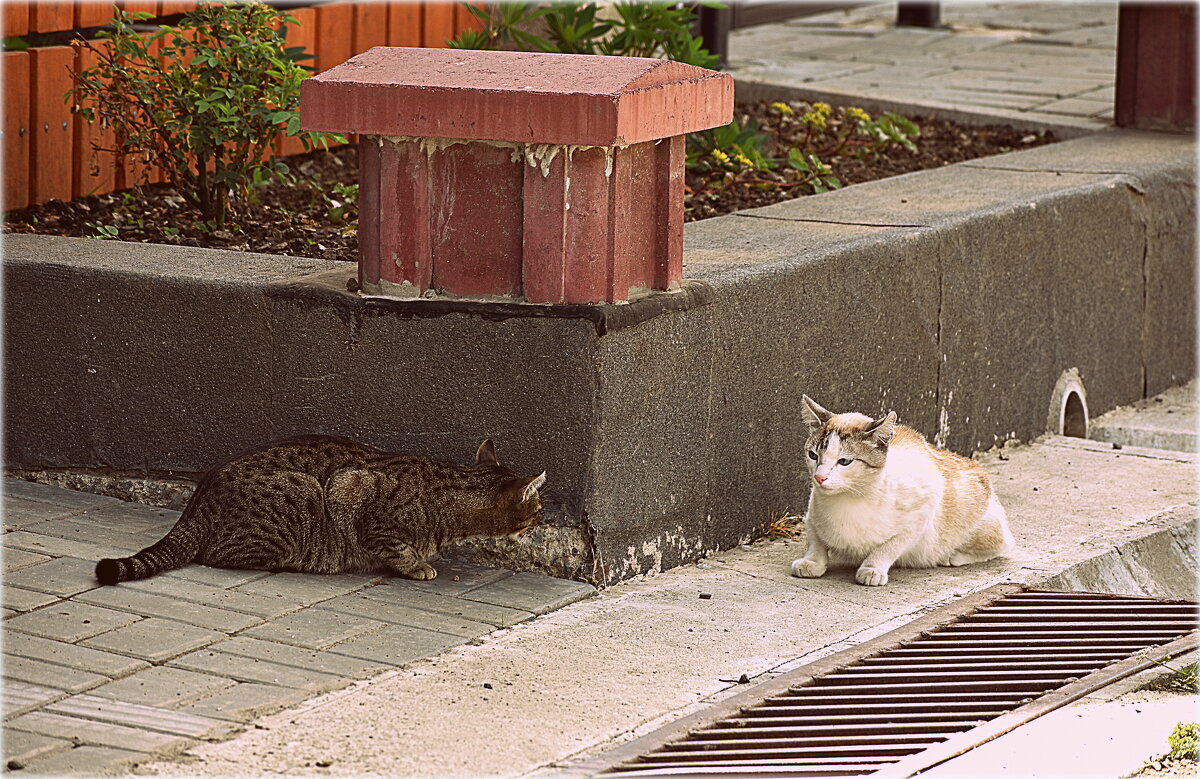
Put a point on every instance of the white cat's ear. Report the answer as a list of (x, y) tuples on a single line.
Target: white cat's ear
[(486, 454), (533, 486), (813, 414), (883, 429)]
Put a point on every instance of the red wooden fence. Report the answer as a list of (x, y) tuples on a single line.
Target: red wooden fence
[(47, 149)]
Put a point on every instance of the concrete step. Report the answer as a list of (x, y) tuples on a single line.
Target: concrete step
[(1166, 421)]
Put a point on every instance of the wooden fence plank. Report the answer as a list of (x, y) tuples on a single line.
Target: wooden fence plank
[(437, 24), (16, 128), (16, 17), (304, 33), (94, 172), (404, 24), (93, 13), (335, 34), (48, 16), (53, 125), (465, 20), (370, 26)]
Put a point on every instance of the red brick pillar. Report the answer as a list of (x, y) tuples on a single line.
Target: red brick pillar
[(553, 178)]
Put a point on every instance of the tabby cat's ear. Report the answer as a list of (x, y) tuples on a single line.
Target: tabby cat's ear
[(881, 430), (813, 414), (486, 454), (532, 486)]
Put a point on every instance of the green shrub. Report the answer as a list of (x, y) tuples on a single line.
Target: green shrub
[(1185, 742), (207, 106)]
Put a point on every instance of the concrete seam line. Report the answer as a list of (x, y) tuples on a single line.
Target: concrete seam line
[(825, 221)]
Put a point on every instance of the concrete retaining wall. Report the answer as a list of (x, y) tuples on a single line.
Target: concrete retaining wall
[(669, 427)]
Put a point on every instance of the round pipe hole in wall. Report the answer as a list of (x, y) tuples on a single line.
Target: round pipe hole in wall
[(1068, 406)]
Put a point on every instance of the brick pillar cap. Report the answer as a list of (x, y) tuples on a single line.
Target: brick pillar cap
[(569, 99)]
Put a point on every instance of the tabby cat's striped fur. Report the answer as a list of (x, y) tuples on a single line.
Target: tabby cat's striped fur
[(323, 504)]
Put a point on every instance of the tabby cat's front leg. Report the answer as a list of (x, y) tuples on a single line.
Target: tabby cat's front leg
[(404, 561)]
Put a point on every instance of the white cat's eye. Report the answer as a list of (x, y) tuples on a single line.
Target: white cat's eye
[(845, 461), (812, 454)]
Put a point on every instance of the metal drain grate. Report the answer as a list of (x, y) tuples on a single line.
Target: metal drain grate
[(913, 698)]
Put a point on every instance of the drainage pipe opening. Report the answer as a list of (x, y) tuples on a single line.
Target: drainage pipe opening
[(1068, 406)]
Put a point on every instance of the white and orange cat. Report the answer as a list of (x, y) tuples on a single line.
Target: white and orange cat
[(883, 496)]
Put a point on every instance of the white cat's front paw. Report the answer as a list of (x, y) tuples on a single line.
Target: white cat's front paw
[(872, 577), (807, 569)]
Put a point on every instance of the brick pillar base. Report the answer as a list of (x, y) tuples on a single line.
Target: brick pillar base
[(547, 178)]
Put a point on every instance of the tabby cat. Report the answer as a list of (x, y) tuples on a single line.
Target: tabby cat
[(882, 495), (323, 504)]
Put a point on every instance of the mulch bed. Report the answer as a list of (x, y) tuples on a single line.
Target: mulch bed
[(301, 220)]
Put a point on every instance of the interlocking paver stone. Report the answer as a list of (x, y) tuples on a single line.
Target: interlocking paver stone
[(86, 760), (32, 671), (63, 576), (305, 589), (72, 655), (163, 686), (530, 592), (135, 715), (64, 547), (216, 577), (31, 490), (251, 669), (20, 513), (85, 530), (24, 746), (246, 701), (21, 599), (149, 604), (216, 597), (16, 559), (103, 734), (374, 608), (70, 621), (20, 697), (285, 654), (314, 628), (397, 645), (445, 604), (155, 639), (454, 578)]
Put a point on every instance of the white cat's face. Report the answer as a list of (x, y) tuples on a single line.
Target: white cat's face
[(844, 452), (836, 464)]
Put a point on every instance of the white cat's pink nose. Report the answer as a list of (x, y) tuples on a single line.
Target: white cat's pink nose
[(820, 479)]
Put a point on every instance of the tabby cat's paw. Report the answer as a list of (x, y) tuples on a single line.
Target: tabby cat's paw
[(426, 571), (807, 569), (872, 577)]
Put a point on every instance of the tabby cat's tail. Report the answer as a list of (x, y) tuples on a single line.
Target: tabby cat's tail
[(175, 550)]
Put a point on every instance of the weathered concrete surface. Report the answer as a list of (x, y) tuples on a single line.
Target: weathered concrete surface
[(1165, 421), (648, 650), (669, 426)]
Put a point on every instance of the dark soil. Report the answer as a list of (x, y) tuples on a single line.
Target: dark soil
[(303, 219)]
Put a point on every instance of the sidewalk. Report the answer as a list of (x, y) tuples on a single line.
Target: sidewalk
[(1046, 62)]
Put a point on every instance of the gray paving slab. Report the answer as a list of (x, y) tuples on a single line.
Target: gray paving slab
[(95, 733), (70, 621), (76, 656), (305, 589), (252, 669), (246, 701), (133, 715), (20, 697), (83, 761), (397, 645), (164, 687), (215, 597), (62, 576), (298, 657), (85, 530), (154, 639), (531, 592), (373, 608), (454, 578), (20, 513), (476, 611), (20, 599), (33, 671), (30, 490), (16, 559), (148, 604), (64, 547), (24, 747), (216, 577), (314, 628)]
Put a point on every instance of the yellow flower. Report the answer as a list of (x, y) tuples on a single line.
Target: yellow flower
[(815, 119), (783, 108), (720, 156), (822, 108), (858, 113), (744, 160)]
